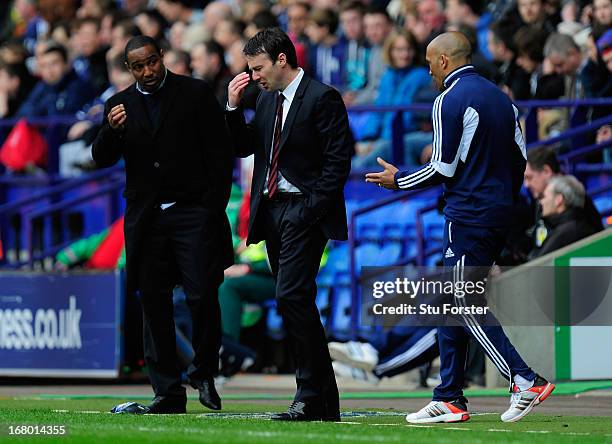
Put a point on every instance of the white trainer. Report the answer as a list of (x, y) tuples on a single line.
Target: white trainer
[(440, 411), (523, 401), (356, 354)]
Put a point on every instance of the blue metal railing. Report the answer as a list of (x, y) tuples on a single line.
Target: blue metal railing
[(355, 300), (29, 216)]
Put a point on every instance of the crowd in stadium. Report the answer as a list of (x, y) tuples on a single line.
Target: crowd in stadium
[(65, 57)]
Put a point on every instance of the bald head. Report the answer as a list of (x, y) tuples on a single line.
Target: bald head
[(446, 53), (453, 45)]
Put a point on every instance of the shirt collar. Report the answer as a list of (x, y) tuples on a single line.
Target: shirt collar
[(146, 93), (291, 89), (455, 74)]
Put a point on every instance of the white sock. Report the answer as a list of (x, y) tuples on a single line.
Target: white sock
[(522, 383)]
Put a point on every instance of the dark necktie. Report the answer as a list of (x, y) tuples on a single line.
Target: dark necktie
[(273, 175)]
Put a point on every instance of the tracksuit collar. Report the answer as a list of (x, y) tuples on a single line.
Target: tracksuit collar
[(458, 72)]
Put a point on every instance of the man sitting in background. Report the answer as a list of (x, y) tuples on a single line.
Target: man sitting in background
[(542, 167), (562, 204)]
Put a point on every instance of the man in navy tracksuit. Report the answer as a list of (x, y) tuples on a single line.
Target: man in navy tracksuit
[(479, 155)]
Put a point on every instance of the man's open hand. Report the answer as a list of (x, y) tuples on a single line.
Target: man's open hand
[(385, 178)]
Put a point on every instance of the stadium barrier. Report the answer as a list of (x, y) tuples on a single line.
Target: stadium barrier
[(560, 352), (61, 325)]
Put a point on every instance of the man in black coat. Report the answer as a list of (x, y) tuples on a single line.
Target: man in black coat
[(562, 212), (302, 145), (171, 132)]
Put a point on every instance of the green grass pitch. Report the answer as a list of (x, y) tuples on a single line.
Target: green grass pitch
[(87, 421)]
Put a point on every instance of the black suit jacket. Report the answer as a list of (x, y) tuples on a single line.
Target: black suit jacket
[(315, 153), (184, 158)]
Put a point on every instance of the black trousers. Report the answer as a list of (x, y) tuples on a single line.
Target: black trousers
[(294, 250), (179, 246)]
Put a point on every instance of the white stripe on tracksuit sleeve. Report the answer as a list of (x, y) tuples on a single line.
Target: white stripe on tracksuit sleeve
[(453, 133)]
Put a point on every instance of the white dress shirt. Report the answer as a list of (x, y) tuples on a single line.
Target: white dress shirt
[(289, 93)]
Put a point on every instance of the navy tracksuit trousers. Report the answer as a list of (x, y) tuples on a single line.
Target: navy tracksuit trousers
[(466, 246)]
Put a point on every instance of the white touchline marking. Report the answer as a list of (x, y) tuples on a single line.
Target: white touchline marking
[(575, 433), (347, 422), (385, 424), (498, 430), (89, 411), (420, 426), (537, 431), (455, 428), (60, 411)]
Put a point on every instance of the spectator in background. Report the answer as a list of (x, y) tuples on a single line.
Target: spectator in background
[(178, 62), (542, 166), (60, 91), (602, 17), (402, 80), (563, 57), (261, 21), (471, 13), (356, 47), (228, 31), (208, 63), (327, 51), (153, 24), (176, 35), (485, 68), (377, 27), (562, 203), (214, 12), (90, 61), (93, 8), (529, 43), (512, 78), (427, 22), (604, 134), (533, 13), (121, 33), (298, 14), (179, 10), (29, 24), (15, 85)]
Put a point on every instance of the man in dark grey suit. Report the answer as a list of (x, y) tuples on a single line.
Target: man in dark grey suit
[(171, 132), (302, 145)]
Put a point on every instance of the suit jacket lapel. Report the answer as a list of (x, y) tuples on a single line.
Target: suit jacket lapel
[(269, 110), (170, 88), (293, 110), (138, 108)]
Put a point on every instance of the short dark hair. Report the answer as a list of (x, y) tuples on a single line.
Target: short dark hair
[(87, 20), (129, 28), (529, 41), (476, 6), (271, 41), (503, 31), (13, 69), (377, 10), (264, 19), (326, 18), (56, 47), (140, 41), (181, 56), (352, 5), (538, 158)]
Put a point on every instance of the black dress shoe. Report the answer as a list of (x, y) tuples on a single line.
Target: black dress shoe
[(300, 411), (208, 393), (167, 404)]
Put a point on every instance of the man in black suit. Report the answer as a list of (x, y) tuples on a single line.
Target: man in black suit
[(171, 132), (302, 145)]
